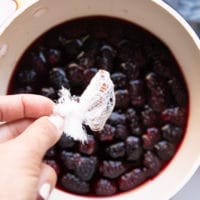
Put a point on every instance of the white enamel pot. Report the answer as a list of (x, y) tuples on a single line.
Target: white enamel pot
[(33, 18)]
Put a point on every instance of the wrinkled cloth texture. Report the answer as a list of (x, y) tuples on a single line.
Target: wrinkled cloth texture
[(190, 11)]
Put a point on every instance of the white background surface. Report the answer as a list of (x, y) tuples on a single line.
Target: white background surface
[(191, 191)]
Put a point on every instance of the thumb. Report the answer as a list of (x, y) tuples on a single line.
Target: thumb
[(42, 134)]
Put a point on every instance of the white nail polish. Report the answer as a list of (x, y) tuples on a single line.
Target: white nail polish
[(45, 190), (57, 121)]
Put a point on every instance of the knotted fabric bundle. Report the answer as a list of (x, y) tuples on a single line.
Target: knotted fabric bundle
[(92, 108)]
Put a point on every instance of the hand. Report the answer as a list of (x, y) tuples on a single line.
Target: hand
[(24, 139)]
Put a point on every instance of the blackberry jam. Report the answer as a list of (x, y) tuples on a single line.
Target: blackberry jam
[(150, 117)]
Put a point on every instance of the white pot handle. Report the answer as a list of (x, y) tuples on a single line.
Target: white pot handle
[(24, 3), (10, 7)]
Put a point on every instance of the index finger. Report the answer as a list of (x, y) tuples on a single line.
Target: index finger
[(13, 107)]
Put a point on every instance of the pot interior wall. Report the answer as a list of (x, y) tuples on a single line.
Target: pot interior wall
[(37, 19)]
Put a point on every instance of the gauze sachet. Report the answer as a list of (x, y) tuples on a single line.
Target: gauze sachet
[(92, 108)]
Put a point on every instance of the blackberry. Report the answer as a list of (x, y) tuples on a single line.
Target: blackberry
[(151, 137), (53, 56), (86, 60), (65, 142), (116, 150), (131, 70), (90, 147), (152, 163), (112, 169), (133, 148), (158, 95), (72, 47), (165, 150), (121, 131), (57, 78), (172, 133), (88, 74), (131, 179), (74, 184), (86, 168), (119, 79), (134, 122), (75, 74), (27, 77), (117, 118), (48, 92), (104, 187), (122, 99), (149, 116), (107, 134), (175, 115), (137, 92), (70, 160)]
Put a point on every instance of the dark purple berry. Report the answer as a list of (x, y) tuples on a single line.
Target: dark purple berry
[(65, 142), (91, 45), (165, 150), (105, 63), (148, 116), (108, 51), (88, 75), (112, 169), (107, 134), (172, 133), (131, 179), (72, 48), (152, 163), (121, 131), (117, 118), (57, 78), (38, 62), (131, 70), (89, 147), (134, 122), (119, 79), (106, 57), (27, 76), (53, 56), (151, 137), (125, 50), (86, 60), (161, 68), (48, 92), (104, 187), (137, 93), (75, 74), (133, 148), (178, 91), (116, 150), (176, 115), (122, 99), (157, 92), (86, 168), (70, 160), (74, 184)]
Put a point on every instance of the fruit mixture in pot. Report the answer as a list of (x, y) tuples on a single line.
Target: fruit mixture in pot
[(150, 117)]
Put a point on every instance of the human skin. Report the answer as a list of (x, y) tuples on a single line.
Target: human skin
[(25, 135)]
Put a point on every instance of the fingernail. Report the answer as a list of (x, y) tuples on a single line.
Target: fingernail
[(45, 191), (57, 121)]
